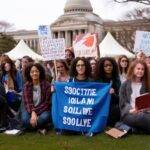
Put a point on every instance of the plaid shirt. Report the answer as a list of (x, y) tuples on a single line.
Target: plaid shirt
[(45, 97)]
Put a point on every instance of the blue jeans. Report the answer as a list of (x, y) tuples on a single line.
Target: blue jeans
[(42, 121), (140, 120)]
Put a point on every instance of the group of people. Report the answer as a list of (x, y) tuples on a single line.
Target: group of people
[(26, 89)]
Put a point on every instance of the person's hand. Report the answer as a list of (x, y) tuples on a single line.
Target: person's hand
[(133, 111), (58, 76), (6, 87), (111, 91), (52, 88), (33, 120)]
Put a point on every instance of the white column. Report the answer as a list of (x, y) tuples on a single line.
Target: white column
[(53, 35), (66, 38), (79, 32), (69, 38), (35, 43), (30, 43), (74, 34), (59, 34)]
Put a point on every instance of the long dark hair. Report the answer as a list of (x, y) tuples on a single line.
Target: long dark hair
[(101, 72), (95, 75), (13, 69)]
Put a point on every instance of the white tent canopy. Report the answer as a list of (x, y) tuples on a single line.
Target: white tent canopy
[(109, 47), (21, 50)]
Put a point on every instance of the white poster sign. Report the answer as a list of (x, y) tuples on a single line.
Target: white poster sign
[(85, 45), (52, 49), (44, 31), (142, 42)]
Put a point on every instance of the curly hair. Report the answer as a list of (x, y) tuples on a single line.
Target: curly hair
[(101, 72), (73, 71), (39, 67), (119, 66)]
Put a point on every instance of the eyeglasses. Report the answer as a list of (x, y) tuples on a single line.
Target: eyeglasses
[(107, 65), (124, 60), (60, 67), (92, 63), (80, 65)]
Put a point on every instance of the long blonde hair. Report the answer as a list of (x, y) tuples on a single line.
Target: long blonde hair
[(146, 77)]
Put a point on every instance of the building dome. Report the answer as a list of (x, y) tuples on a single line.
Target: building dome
[(78, 6)]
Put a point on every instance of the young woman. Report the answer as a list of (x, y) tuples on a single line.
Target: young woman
[(69, 55), (123, 64), (80, 70), (62, 76), (25, 61), (36, 98), (49, 70), (147, 60), (62, 71), (94, 68), (137, 83), (140, 56), (108, 73), (11, 79)]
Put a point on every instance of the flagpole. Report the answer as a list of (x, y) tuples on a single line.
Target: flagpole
[(55, 68), (97, 46)]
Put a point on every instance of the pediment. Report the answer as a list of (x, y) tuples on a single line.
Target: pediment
[(68, 22)]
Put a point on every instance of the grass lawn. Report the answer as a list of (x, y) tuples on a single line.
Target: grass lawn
[(34, 141)]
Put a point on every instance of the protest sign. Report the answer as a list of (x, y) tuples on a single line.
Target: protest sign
[(81, 107), (44, 31), (52, 49), (85, 45), (142, 42)]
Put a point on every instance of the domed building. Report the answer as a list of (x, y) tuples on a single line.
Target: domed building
[(78, 18)]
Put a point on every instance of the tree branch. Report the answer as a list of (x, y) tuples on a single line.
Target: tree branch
[(146, 2)]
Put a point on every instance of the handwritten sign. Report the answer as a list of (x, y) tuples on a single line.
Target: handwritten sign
[(142, 42)]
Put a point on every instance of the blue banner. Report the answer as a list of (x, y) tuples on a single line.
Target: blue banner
[(82, 107)]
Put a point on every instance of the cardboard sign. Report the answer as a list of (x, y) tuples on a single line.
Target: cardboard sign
[(85, 45), (142, 42), (44, 31), (52, 49)]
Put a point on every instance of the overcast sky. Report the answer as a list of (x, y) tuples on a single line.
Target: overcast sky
[(29, 14)]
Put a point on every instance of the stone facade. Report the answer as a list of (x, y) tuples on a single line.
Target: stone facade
[(78, 18)]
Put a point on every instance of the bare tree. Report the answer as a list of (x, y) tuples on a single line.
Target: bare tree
[(146, 2), (138, 13), (5, 26)]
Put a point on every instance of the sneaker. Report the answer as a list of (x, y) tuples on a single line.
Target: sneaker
[(2, 129), (42, 131)]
